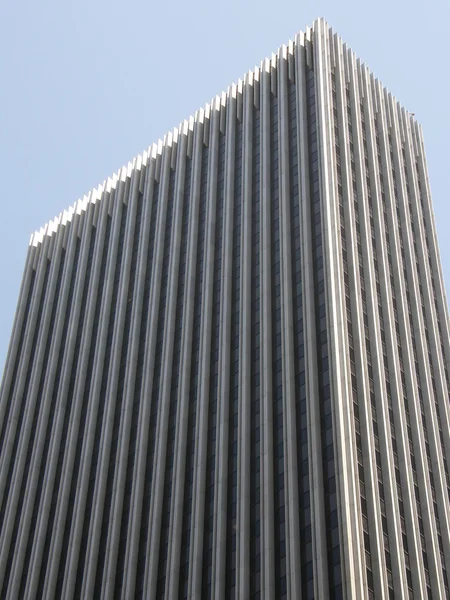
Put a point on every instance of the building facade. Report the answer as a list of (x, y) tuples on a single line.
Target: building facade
[(228, 372)]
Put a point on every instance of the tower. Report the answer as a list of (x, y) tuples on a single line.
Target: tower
[(228, 372)]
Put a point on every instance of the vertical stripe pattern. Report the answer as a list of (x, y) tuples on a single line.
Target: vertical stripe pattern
[(228, 372)]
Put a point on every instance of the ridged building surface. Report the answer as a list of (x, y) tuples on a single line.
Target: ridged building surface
[(228, 372)]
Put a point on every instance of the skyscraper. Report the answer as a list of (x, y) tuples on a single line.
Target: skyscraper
[(228, 372)]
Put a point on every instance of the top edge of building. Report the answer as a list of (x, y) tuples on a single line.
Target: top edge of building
[(319, 27)]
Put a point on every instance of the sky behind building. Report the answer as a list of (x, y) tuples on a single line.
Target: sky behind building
[(88, 85)]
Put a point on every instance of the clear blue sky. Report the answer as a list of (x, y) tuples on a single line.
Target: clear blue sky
[(88, 84)]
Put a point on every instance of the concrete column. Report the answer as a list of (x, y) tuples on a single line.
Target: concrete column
[(267, 504), (196, 554), (292, 524), (318, 526), (223, 404)]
